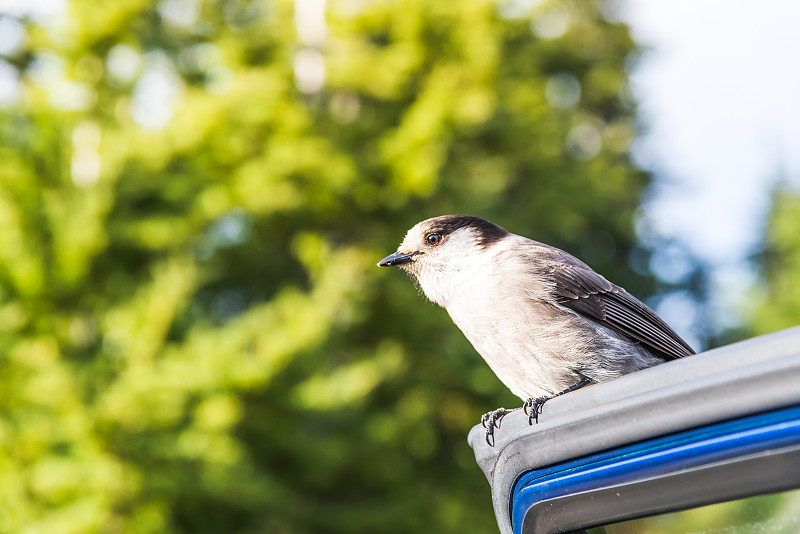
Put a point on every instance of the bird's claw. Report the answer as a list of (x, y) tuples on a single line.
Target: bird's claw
[(533, 407), (490, 421)]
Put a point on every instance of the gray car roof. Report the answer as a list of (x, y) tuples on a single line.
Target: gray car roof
[(744, 378)]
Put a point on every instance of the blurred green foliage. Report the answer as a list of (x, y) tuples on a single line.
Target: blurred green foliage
[(778, 294), (195, 337)]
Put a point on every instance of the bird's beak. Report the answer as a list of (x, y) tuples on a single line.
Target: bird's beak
[(398, 258)]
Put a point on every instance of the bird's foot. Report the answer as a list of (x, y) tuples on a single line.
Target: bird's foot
[(490, 421), (533, 407)]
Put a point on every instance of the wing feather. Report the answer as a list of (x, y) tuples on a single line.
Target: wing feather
[(586, 292)]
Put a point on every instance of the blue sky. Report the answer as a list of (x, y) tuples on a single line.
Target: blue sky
[(719, 95)]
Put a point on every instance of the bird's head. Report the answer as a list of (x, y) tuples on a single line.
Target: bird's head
[(435, 251)]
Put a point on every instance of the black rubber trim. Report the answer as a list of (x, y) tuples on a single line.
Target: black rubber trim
[(764, 472)]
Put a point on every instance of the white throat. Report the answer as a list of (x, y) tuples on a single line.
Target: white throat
[(445, 274)]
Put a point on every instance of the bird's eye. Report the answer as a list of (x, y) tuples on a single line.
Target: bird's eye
[(434, 239)]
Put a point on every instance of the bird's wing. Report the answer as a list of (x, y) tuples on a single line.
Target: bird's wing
[(584, 291)]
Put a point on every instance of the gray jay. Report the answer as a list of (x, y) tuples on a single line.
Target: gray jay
[(543, 320)]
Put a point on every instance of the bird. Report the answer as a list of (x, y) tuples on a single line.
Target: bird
[(543, 320)]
